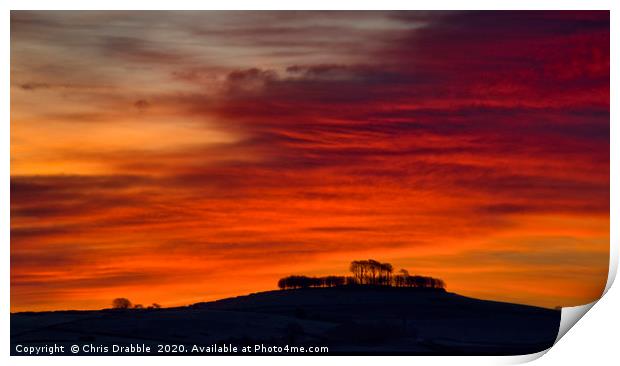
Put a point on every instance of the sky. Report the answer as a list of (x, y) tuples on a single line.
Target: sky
[(177, 157)]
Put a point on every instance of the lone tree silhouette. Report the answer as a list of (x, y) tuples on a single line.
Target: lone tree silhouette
[(121, 303)]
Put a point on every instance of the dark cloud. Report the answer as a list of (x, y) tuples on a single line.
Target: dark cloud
[(369, 131), (119, 279), (34, 86), (139, 50), (142, 104), (331, 229)]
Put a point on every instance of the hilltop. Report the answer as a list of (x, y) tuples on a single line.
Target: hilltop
[(349, 320)]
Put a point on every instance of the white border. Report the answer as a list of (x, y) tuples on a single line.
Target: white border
[(310, 5), (606, 306)]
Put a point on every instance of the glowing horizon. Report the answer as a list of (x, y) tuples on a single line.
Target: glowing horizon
[(178, 157)]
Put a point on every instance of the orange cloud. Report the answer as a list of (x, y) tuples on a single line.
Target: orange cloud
[(175, 171)]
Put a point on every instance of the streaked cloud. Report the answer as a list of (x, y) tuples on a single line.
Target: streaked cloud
[(191, 151)]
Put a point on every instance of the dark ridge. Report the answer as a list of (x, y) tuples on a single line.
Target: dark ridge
[(357, 320)]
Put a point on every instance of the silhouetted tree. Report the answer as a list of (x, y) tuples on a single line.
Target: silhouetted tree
[(358, 270), (292, 282), (439, 283), (121, 303), (374, 269), (365, 272), (385, 274), (335, 281), (372, 272), (400, 279)]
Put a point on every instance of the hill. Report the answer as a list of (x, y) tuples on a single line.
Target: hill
[(348, 320)]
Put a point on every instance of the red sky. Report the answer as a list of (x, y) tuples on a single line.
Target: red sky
[(176, 157)]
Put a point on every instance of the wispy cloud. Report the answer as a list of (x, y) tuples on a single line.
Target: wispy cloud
[(185, 147)]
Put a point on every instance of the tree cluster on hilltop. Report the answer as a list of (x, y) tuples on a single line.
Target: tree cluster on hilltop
[(365, 273)]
